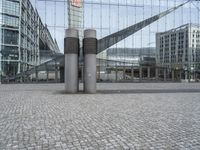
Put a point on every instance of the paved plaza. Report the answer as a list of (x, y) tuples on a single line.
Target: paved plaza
[(120, 116)]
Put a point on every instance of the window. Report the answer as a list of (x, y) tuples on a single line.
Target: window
[(9, 21), (10, 7), (10, 37)]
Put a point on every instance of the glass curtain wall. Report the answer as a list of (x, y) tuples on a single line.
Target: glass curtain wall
[(9, 31), (24, 37), (109, 16)]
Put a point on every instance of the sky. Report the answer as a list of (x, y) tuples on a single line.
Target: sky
[(107, 19)]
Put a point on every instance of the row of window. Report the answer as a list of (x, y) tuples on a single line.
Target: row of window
[(30, 19), (7, 20), (10, 7), (9, 52), (29, 8), (12, 53), (10, 37), (29, 33), (29, 56), (179, 58)]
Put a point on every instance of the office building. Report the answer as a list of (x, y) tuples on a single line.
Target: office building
[(25, 40), (179, 49)]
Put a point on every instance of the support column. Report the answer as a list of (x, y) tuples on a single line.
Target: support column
[(56, 73), (156, 72), (116, 72), (25, 79), (180, 74), (132, 73), (47, 75), (36, 74), (186, 75), (71, 50), (140, 74), (47, 72), (82, 74), (90, 51), (22, 78), (173, 75), (124, 73), (148, 73), (62, 74), (165, 75)]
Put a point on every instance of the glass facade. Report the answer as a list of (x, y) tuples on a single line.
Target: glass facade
[(179, 49), (9, 22), (75, 16), (110, 16), (23, 37), (10, 7)]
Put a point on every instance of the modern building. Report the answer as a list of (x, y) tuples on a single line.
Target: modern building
[(124, 29), (120, 64), (104, 17), (25, 41), (132, 56), (179, 49), (75, 16)]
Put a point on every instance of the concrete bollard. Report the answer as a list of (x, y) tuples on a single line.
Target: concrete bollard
[(89, 52), (71, 50)]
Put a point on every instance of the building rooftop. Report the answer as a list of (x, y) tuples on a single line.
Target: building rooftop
[(181, 28)]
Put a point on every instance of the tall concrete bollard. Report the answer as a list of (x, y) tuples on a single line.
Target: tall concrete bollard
[(89, 52), (71, 50)]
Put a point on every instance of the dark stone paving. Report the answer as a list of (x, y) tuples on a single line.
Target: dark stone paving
[(147, 116)]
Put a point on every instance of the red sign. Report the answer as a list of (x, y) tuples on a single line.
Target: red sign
[(76, 3)]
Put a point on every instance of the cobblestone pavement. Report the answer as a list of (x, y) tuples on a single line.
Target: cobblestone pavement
[(40, 116)]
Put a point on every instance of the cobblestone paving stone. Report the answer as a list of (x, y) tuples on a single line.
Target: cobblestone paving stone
[(41, 117)]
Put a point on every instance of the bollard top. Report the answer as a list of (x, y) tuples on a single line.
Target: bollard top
[(71, 32), (90, 33)]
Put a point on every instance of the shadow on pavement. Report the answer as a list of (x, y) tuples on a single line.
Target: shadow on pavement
[(137, 91), (143, 91)]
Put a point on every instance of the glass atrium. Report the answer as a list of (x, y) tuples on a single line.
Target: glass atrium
[(110, 16)]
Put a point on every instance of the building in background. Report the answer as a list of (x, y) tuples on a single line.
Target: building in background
[(75, 16), (25, 40), (132, 56), (75, 12), (108, 17), (179, 49)]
